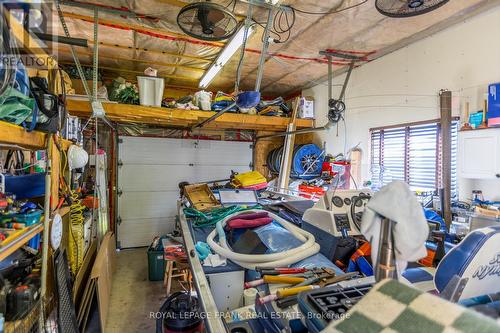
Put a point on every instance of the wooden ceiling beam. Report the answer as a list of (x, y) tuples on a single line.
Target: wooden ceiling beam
[(160, 33), (157, 51), (146, 62), (118, 70)]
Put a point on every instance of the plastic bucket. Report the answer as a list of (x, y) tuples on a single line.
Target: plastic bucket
[(150, 90)]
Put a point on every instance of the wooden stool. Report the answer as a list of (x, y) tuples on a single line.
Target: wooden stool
[(175, 270)]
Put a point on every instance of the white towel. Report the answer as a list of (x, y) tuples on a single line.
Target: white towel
[(410, 231), (214, 260)]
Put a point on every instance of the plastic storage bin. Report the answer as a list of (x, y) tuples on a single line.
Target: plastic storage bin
[(156, 263), (150, 90), (26, 186)]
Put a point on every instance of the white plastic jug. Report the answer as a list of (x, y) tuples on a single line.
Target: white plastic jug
[(150, 90)]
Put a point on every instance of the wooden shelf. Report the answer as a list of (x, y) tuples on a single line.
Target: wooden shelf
[(13, 243), (14, 135), (124, 113)]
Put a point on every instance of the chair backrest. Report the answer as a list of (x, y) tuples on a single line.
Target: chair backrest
[(477, 258)]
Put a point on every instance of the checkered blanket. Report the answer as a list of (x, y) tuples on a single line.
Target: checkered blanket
[(392, 307)]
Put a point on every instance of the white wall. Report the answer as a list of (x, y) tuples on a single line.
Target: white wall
[(403, 87)]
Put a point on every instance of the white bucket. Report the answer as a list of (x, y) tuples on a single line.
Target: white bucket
[(150, 90)]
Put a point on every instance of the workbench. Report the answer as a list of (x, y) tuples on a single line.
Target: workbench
[(213, 323)]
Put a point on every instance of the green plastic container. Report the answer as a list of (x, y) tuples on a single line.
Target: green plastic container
[(156, 264)]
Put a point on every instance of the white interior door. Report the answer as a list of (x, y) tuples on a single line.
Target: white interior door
[(148, 177)]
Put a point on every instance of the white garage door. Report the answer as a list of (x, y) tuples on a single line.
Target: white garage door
[(148, 177)]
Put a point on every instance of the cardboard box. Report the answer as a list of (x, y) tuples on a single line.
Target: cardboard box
[(306, 108)]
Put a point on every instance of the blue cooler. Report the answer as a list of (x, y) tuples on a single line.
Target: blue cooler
[(494, 105)]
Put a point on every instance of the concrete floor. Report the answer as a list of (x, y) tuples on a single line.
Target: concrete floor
[(133, 296)]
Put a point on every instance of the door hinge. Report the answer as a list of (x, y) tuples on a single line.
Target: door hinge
[(119, 192), (120, 163), (120, 140), (119, 220)]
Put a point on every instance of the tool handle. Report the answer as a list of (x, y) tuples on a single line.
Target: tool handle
[(254, 283), (283, 270), (267, 299), (308, 282), (287, 301), (278, 271), (282, 279), (285, 292)]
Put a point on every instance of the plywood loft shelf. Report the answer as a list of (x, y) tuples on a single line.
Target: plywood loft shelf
[(125, 113), (13, 135)]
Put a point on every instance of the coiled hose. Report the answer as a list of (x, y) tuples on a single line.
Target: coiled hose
[(280, 259), (76, 248)]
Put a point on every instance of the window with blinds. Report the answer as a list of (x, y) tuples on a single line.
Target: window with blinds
[(412, 153)]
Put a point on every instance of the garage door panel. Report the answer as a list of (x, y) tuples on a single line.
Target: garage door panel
[(167, 177), (142, 231), (152, 168), (151, 177), (134, 205), (182, 151)]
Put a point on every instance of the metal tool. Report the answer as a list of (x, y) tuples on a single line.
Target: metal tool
[(385, 267), (273, 279), (279, 271), (320, 283)]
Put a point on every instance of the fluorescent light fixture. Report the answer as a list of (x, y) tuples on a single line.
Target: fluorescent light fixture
[(227, 52)]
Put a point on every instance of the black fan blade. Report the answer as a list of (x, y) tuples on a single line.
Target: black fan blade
[(215, 15), (407, 8), (219, 32)]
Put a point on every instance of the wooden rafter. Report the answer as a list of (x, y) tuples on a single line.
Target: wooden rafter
[(139, 28), (157, 51), (118, 70), (149, 62)]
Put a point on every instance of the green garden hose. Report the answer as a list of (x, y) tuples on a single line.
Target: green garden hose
[(200, 219)]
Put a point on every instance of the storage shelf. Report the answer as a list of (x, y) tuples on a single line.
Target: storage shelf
[(9, 245), (125, 113), (13, 135)]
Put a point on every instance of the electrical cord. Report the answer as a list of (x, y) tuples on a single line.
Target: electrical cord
[(283, 22), (248, 25), (329, 12), (9, 49)]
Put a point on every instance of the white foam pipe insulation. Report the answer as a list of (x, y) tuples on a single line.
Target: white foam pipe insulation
[(280, 259)]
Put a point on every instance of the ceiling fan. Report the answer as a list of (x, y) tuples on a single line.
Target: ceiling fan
[(407, 8), (207, 21)]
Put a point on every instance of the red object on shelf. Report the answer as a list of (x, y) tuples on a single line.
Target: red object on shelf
[(313, 190), (332, 169)]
